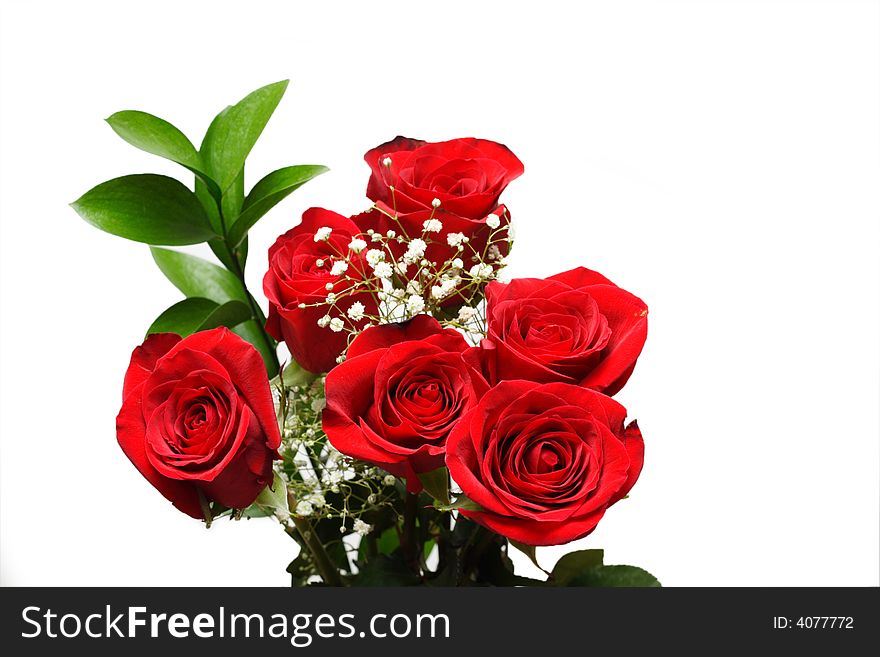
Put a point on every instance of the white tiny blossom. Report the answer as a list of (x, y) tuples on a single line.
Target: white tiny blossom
[(391, 234), (328, 287), (493, 221), (368, 325), (336, 324), (383, 270), (318, 404), (458, 263), (331, 298), (389, 480), (413, 287), (415, 250), (362, 528), (375, 256), (494, 252), (387, 162), (323, 234), (340, 359), (377, 237), (415, 304), (437, 292), (433, 225), (357, 245), (371, 499), (319, 262), (454, 239), (436, 203), (480, 271), (304, 508), (339, 268), (356, 311), (317, 500), (466, 314), (324, 321), (301, 306), (400, 268)]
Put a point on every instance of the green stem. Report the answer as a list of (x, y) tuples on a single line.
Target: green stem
[(326, 569), (408, 543)]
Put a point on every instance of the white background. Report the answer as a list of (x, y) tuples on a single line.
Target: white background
[(719, 159)]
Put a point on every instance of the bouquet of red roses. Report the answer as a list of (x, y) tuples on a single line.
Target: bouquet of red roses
[(429, 416)]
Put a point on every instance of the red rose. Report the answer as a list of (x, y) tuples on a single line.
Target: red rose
[(300, 267), (197, 416), (466, 175), (575, 327), (544, 461), (399, 393)]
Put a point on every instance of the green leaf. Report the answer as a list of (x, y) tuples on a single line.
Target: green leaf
[(436, 484), (461, 502), (235, 130), (198, 314), (615, 576), (196, 277), (528, 550), (233, 199), (154, 135), (385, 570), (294, 375), (251, 332), (146, 208), (267, 193), (273, 498), (573, 564)]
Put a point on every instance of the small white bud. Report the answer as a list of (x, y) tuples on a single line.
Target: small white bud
[(324, 321), (391, 234), (383, 270), (493, 221), (356, 311), (357, 245), (323, 234), (387, 162), (415, 304), (328, 287), (389, 480), (436, 203), (455, 239), (319, 262), (433, 225)]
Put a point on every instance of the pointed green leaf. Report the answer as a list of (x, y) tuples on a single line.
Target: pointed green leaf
[(235, 130), (199, 314), (436, 484), (461, 502), (146, 208), (196, 277), (272, 499), (615, 576), (528, 550), (573, 564), (154, 135), (270, 191)]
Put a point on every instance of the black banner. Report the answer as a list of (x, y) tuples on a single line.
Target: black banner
[(436, 621)]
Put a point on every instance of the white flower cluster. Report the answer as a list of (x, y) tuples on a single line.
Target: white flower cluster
[(391, 275)]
